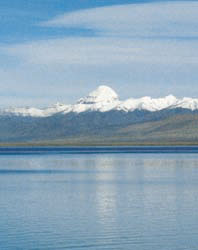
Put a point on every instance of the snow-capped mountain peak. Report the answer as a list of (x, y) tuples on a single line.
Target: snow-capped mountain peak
[(102, 94), (105, 99)]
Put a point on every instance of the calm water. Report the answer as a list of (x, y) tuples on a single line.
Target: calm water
[(117, 201)]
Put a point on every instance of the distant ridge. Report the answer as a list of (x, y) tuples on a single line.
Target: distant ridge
[(102, 118), (105, 99)]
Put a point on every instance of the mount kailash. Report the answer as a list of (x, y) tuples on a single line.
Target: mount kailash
[(102, 117)]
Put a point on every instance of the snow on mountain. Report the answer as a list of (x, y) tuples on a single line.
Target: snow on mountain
[(188, 103), (148, 103), (102, 99), (34, 112), (105, 99), (103, 94)]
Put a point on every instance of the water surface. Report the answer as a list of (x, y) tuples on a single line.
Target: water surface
[(98, 201)]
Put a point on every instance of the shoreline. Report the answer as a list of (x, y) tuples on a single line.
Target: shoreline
[(97, 144)]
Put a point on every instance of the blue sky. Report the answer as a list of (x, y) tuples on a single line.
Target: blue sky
[(57, 50)]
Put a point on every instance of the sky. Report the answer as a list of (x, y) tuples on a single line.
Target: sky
[(58, 51)]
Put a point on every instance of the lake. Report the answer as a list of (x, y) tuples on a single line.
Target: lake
[(132, 198)]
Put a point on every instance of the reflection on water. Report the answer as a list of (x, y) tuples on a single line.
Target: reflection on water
[(116, 201)]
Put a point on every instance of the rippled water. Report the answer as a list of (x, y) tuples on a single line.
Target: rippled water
[(99, 201)]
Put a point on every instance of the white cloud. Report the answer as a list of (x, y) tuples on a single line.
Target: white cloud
[(135, 20), (143, 47), (71, 51), (105, 51), (139, 33)]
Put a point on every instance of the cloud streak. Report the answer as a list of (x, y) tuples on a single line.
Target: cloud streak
[(105, 51), (148, 33), (176, 19)]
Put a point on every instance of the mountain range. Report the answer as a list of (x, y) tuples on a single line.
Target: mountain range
[(102, 118)]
